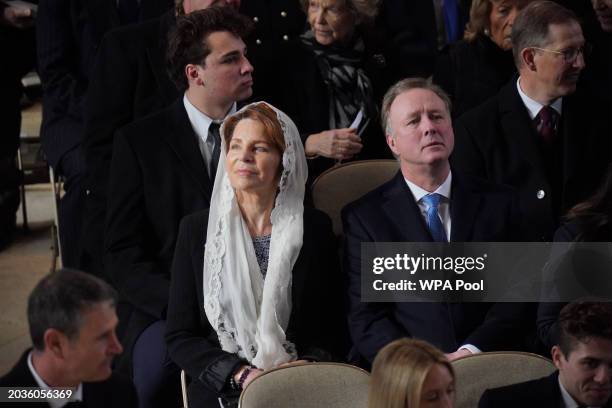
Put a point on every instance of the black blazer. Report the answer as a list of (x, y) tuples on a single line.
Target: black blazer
[(129, 81), (69, 33), (157, 177), (316, 324), (473, 71), (479, 212), (540, 393), (413, 27), (498, 141), (117, 391)]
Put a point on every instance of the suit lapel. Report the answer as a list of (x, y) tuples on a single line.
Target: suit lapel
[(156, 52), (183, 141), (464, 206), (518, 130), (102, 15), (403, 211)]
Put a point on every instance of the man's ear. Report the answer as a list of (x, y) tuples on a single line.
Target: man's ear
[(55, 343), (193, 74), (557, 356), (528, 59), (391, 143)]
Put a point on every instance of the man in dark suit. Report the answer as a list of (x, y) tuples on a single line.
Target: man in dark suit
[(420, 28), (16, 45), (72, 325), (68, 35), (583, 357), (129, 81), (538, 134), (424, 202), (163, 168)]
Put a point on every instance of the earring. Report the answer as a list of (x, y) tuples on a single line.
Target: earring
[(487, 32)]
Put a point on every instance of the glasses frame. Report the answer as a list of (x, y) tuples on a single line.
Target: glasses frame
[(585, 50)]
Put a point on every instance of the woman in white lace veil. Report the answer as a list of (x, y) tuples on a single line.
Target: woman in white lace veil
[(248, 312), (256, 244)]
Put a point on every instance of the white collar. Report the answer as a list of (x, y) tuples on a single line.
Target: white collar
[(533, 106), (199, 120), (54, 403), (443, 189)]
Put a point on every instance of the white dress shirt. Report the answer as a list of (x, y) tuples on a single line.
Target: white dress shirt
[(534, 107), (444, 190), (77, 395), (200, 123)]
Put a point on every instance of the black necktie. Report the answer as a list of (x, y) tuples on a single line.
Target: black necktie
[(213, 134), (128, 11)]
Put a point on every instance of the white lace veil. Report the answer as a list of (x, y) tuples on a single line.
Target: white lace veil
[(250, 314)]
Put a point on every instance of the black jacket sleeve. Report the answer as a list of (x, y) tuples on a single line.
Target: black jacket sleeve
[(192, 342)]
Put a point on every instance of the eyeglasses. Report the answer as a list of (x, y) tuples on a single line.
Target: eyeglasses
[(570, 54)]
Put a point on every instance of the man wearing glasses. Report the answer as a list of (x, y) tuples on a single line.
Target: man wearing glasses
[(539, 133)]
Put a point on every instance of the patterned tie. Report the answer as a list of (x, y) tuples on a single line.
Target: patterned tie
[(546, 120), (432, 202), (450, 8), (213, 135)]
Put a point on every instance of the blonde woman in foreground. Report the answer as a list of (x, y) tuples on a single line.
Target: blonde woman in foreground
[(410, 373)]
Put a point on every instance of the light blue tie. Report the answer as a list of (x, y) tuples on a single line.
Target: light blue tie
[(432, 201)]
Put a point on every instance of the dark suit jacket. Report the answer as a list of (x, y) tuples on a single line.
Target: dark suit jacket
[(479, 212), (157, 177), (473, 71), (69, 33), (413, 27), (117, 391), (129, 82), (540, 393), (316, 324), (498, 141)]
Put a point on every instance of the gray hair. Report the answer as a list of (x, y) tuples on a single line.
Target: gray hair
[(59, 300), (365, 9), (531, 27), (406, 85)]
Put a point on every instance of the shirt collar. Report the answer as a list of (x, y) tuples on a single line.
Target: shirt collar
[(443, 189), (77, 395), (533, 106), (568, 401), (199, 120)]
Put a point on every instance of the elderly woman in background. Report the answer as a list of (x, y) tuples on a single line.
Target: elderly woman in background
[(336, 76), (474, 69), (254, 277), (410, 373)]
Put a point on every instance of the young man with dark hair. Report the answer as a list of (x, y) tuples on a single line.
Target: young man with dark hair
[(583, 357), (163, 169), (72, 326)]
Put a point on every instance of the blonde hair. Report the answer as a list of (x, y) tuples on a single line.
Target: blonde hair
[(399, 371)]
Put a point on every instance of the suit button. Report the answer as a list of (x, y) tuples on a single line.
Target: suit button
[(541, 194), (286, 37), (256, 19), (283, 14), (258, 41)]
